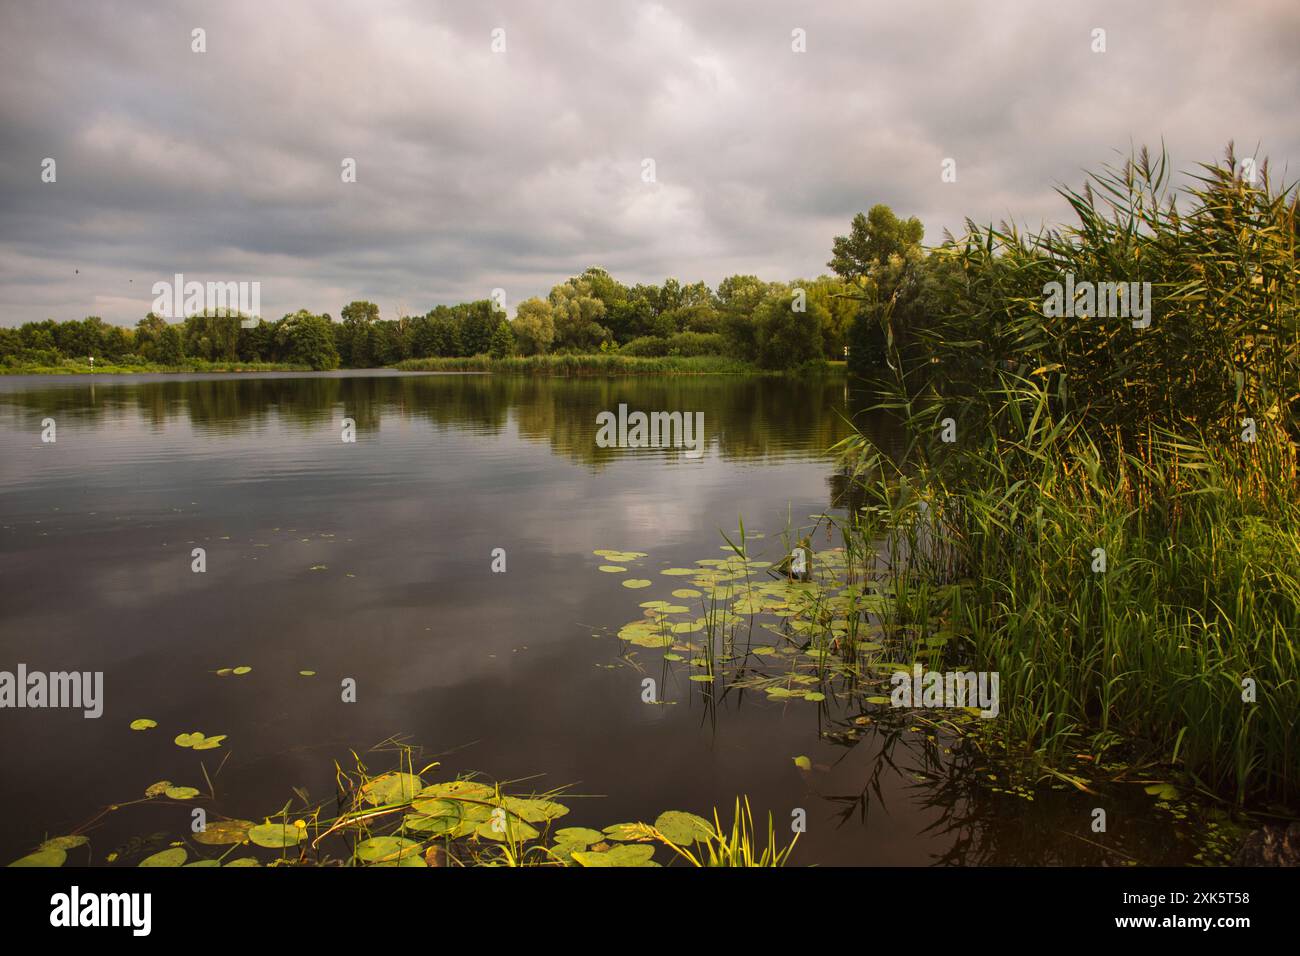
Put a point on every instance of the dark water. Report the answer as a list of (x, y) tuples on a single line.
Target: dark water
[(514, 675)]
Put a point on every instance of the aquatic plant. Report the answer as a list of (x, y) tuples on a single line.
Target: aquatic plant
[(1119, 507)]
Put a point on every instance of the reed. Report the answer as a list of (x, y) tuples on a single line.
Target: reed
[(1081, 435)]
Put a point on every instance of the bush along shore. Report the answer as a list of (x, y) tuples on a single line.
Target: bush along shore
[(84, 367), (1105, 508), (608, 364)]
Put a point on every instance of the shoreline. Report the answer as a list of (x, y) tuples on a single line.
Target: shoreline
[(559, 365)]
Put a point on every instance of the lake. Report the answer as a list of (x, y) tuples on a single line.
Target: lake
[(373, 561)]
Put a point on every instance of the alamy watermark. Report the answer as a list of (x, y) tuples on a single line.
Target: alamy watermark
[(74, 689), (653, 430), (75, 908), (179, 299), (1125, 300), (923, 688)]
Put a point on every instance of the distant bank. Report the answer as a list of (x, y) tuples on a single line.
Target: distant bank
[(594, 364)]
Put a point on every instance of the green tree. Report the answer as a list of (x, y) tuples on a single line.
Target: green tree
[(871, 241), (115, 342), (787, 335), (212, 336), (257, 343), (437, 334), (841, 302), (39, 335), (476, 321), (534, 326), (170, 350), (308, 339), (881, 259), (147, 332), (577, 313), (739, 297), (355, 349), (503, 341)]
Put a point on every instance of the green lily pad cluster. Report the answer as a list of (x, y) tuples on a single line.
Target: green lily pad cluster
[(745, 623), (399, 819), (52, 853)]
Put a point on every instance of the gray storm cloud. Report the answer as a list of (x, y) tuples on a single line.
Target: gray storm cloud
[(478, 169)]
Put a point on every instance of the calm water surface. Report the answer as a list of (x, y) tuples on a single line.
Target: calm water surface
[(372, 561)]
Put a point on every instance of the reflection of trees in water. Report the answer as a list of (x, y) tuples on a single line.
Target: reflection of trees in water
[(881, 428), (986, 828), (936, 776), (746, 417)]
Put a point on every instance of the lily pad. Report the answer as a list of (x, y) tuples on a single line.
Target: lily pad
[(512, 829), (65, 842), (143, 723), (579, 837), (683, 828), (275, 836), (535, 810), (624, 831), (244, 861), (611, 568), (802, 762), (48, 857), (628, 854), (222, 832), (391, 788), (181, 793), (388, 849), (463, 789), (172, 856), (433, 824), (635, 583), (241, 670)]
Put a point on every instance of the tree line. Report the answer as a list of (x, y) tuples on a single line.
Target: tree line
[(775, 325)]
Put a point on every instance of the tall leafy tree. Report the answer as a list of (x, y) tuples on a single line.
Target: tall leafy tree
[(170, 346), (872, 240), (308, 339), (503, 341), (534, 326), (355, 347), (577, 313), (477, 321), (786, 335), (880, 258)]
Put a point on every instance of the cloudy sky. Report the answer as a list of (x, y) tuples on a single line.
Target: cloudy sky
[(479, 169)]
